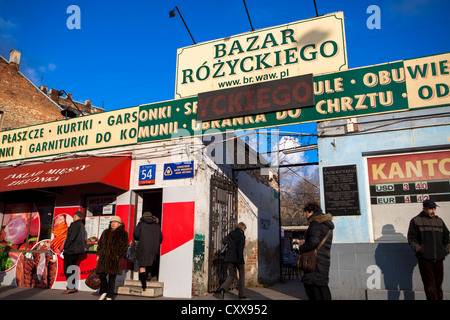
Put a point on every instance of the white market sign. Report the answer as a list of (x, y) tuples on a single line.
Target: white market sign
[(314, 46), (428, 81)]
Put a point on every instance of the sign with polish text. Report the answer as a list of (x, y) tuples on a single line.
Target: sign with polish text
[(409, 178), (389, 87), (315, 45)]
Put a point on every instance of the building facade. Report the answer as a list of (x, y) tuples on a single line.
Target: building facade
[(197, 197), (21, 102), (397, 161), (24, 104)]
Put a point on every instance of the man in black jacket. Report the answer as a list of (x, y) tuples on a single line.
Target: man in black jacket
[(429, 237), (234, 258), (73, 247)]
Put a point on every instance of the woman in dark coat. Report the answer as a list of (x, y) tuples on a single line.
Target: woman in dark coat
[(112, 246), (316, 282), (149, 237), (234, 258)]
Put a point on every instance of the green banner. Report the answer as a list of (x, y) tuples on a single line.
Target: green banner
[(375, 89), (404, 85), (163, 121), (351, 93)]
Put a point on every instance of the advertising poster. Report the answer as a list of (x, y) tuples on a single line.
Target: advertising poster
[(20, 231)]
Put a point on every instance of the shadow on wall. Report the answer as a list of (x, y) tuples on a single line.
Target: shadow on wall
[(396, 265)]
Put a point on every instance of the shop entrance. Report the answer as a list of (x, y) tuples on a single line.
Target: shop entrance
[(150, 200)]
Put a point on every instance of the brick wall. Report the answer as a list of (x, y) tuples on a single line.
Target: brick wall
[(68, 103), (21, 102), (251, 265)]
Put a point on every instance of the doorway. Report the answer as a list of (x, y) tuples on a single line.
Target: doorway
[(150, 200), (223, 218)]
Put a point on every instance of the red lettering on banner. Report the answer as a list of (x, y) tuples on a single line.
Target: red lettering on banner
[(278, 95), (233, 103), (285, 95)]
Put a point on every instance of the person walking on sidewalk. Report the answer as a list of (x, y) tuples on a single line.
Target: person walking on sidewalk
[(112, 246), (316, 282), (74, 246), (234, 258), (149, 237), (429, 237)]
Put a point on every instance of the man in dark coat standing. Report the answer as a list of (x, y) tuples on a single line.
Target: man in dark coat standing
[(234, 258), (149, 237), (74, 246), (316, 282), (429, 237)]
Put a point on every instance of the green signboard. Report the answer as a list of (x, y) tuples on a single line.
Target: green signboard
[(351, 93), (389, 87), (161, 121), (375, 89)]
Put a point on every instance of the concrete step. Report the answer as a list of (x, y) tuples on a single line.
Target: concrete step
[(137, 283), (133, 288)]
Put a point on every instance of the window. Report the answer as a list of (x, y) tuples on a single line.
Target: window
[(99, 210), (25, 226)]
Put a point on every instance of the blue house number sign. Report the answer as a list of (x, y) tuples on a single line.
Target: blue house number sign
[(147, 174)]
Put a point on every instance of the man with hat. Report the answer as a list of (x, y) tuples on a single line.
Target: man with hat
[(429, 237), (73, 247)]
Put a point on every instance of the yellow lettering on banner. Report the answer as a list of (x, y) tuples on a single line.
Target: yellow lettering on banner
[(378, 171), (411, 168), (396, 170), (362, 102), (442, 166), (430, 164)]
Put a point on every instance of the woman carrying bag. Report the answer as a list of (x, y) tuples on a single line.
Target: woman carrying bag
[(149, 237), (320, 228), (112, 246)]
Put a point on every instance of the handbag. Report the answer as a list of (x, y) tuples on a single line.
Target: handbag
[(93, 280), (219, 263), (220, 255), (131, 254), (307, 260)]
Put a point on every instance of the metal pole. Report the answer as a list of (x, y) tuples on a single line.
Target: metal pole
[(279, 204), (315, 6), (185, 25), (248, 15), (72, 101)]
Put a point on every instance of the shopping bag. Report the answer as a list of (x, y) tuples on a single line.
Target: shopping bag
[(93, 280)]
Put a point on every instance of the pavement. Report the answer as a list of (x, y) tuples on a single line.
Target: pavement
[(271, 302), (285, 290)]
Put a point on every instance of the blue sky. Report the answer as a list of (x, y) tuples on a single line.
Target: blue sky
[(125, 52)]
